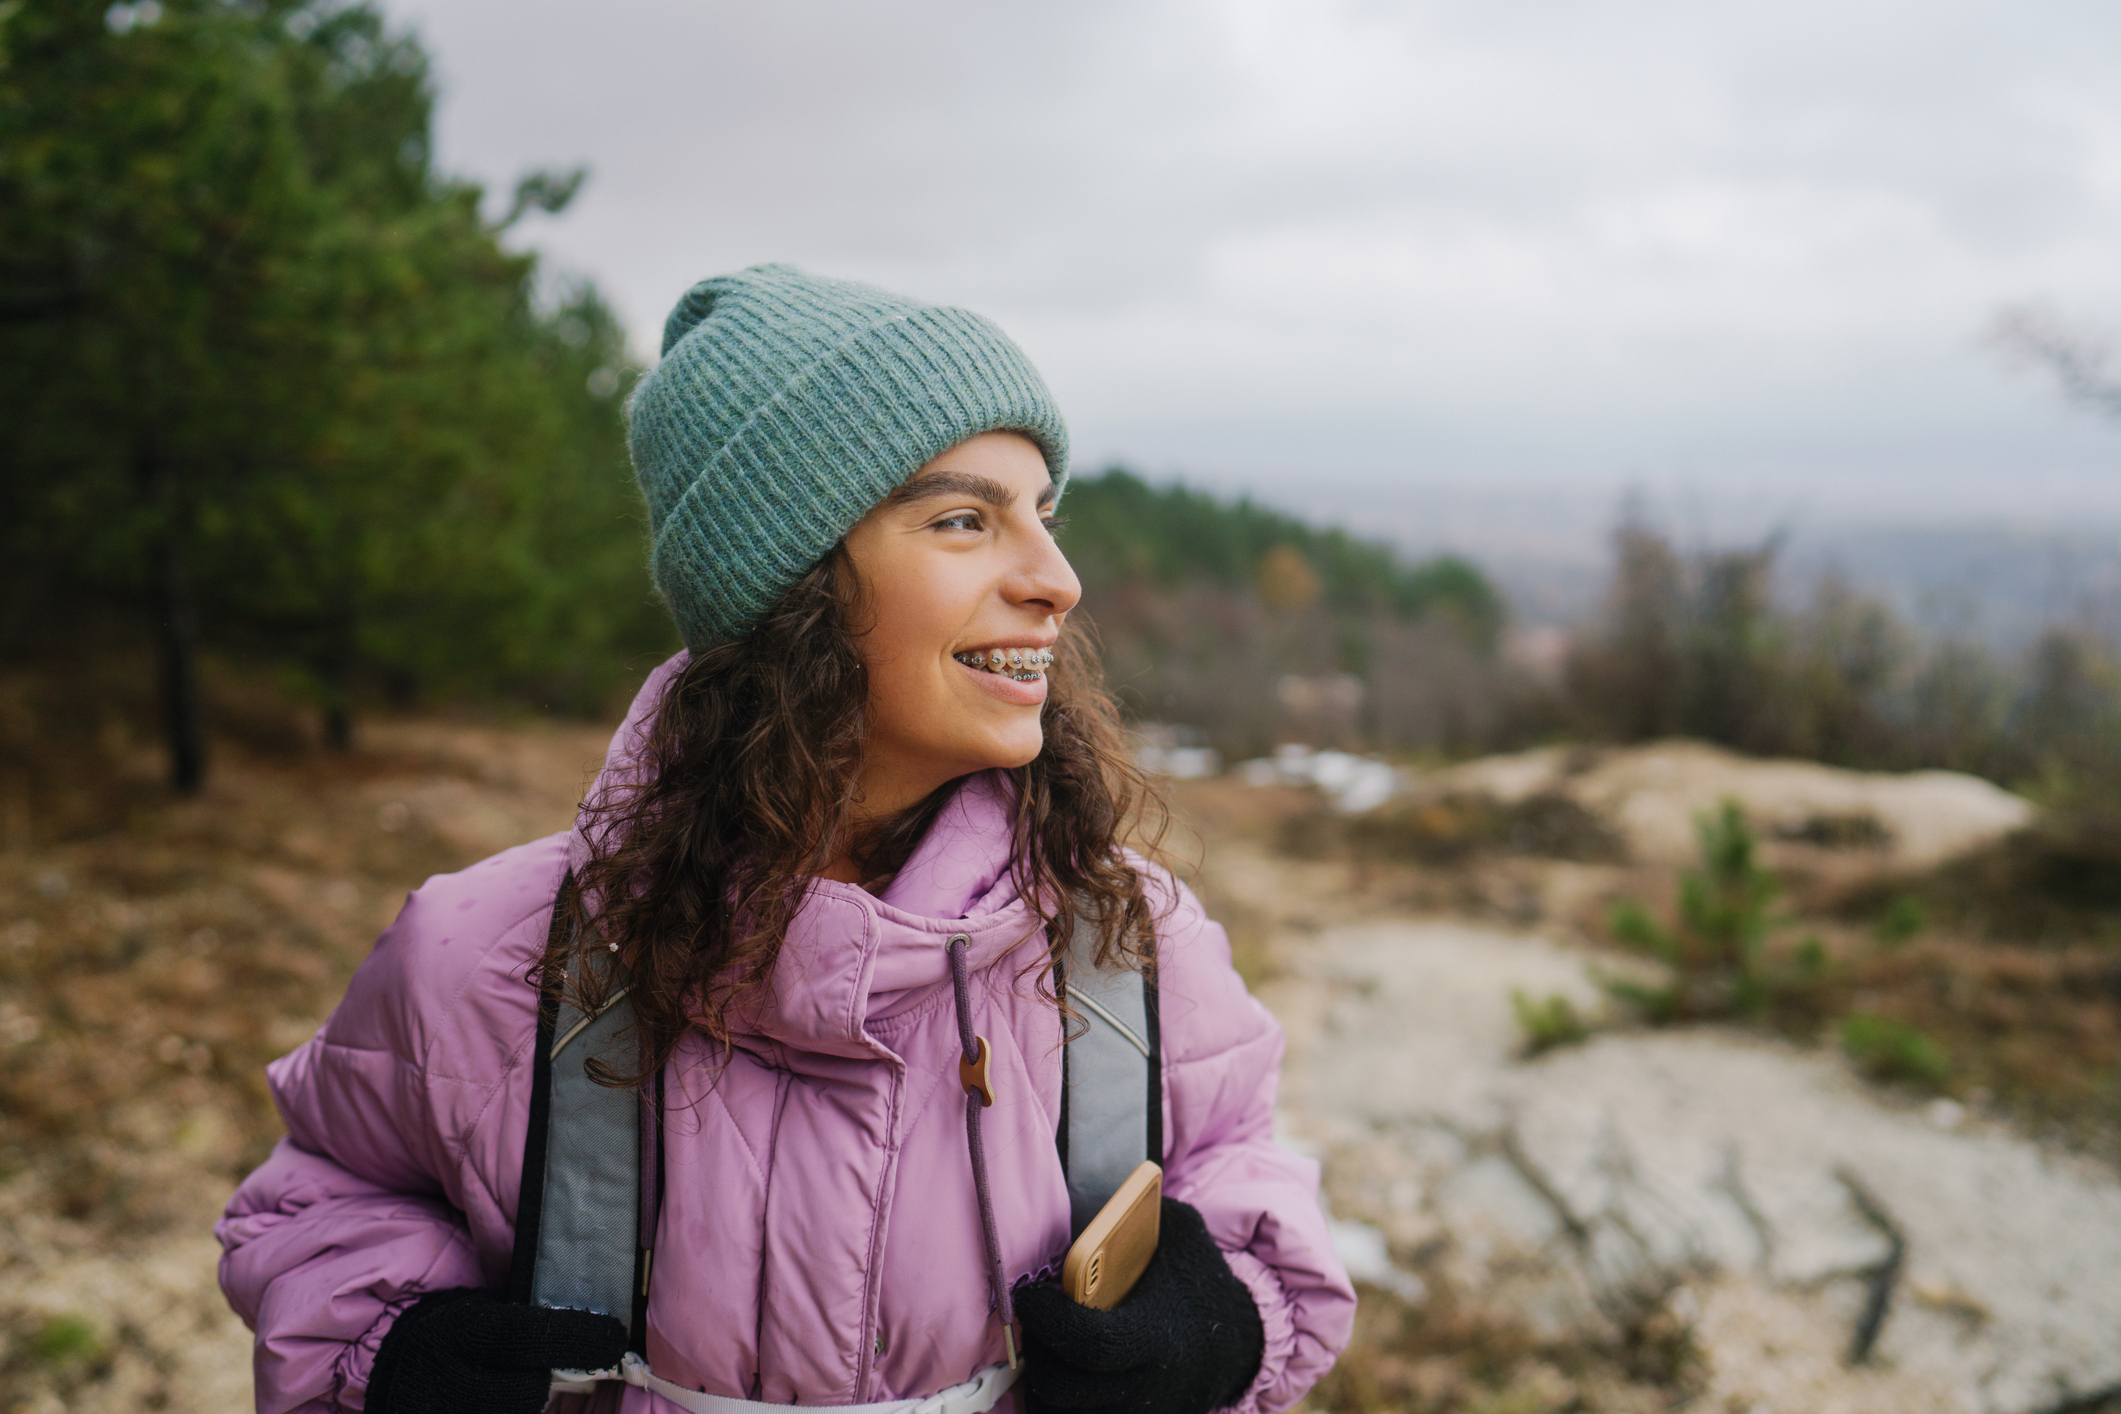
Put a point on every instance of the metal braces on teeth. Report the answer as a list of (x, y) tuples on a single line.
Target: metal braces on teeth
[(1023, 664)]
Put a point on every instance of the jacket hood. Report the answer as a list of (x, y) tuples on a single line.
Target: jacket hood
[(850, 957)]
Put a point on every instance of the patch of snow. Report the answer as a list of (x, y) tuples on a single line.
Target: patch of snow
[(1180, 763), (1354, 783), (1363, 1252)]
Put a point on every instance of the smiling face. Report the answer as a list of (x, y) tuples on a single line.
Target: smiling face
[(957, 562)]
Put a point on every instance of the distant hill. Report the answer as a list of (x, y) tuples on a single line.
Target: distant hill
[(1121, 529), (1249, 626)]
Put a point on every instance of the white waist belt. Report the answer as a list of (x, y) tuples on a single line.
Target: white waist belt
[(975, 1396)]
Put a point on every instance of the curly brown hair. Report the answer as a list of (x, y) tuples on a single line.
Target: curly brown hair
[(743, 790)]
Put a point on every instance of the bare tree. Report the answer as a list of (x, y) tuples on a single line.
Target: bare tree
[(2081, 362)]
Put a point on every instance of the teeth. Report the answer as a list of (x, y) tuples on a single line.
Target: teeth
[(1021, 663)]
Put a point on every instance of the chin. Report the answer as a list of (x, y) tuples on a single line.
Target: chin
[(1008, 755)]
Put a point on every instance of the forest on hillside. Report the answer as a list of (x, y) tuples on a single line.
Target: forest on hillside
[(1243, 626), (278, 389)]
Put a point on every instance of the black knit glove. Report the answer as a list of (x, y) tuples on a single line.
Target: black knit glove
[(1186, 1340), (466, 1351)]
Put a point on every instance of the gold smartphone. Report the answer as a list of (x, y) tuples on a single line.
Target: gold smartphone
[(1104, 1263)]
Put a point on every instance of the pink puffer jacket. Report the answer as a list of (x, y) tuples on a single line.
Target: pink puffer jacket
[(820, 1238)]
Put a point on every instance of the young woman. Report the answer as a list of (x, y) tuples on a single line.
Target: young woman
[(872, 800)]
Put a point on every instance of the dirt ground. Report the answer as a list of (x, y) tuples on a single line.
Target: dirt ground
[(155, 954)]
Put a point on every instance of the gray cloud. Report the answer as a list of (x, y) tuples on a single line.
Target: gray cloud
[(1264, 239)]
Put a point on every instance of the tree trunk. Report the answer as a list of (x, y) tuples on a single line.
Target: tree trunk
[(333, 667), (176, 621), (338, 725)]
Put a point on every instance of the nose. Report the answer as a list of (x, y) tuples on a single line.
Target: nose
[(1044, 581)]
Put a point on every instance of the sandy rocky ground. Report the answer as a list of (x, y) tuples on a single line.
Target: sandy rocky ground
[(1697, 1219), (1786, 1237), (1755, 1192)]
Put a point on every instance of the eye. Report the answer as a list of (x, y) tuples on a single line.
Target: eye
[(963, 520), (1056, 524)]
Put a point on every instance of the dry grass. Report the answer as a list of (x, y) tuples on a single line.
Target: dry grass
[(2033, 1033), (1458, 1354), (2008, 963), (1208, 814), (154, 955)]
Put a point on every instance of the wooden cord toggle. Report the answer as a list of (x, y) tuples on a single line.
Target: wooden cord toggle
[(973, 1074)]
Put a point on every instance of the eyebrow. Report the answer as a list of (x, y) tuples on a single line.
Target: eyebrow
[(983, 489)]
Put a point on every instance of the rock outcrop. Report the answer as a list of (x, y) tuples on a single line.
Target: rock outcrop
[(1651, 796), (1824, 1247)]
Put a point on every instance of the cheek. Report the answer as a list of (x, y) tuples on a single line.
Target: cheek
[(899, 690), (904, 686), (914, 608)]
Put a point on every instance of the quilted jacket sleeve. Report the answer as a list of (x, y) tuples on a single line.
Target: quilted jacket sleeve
[(405, 1121), (1222, 1056), (319, 1262)]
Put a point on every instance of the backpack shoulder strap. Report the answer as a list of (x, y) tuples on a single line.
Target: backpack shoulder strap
[(592, 1161), (578, 1214), (1112, 1107)]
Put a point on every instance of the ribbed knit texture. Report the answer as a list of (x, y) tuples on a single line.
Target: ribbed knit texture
[(784, 408)]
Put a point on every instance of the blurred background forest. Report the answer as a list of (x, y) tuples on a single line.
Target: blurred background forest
[(277, 395)]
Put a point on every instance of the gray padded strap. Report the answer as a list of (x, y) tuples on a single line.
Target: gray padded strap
[(1107, 1071), (588, 1223)]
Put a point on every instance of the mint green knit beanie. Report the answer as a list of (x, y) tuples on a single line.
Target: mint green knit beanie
[(784, 408)]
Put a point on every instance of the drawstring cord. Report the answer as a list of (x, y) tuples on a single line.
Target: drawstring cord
[(979, 1093)]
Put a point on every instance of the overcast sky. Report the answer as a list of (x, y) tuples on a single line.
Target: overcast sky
[(1392, 261)]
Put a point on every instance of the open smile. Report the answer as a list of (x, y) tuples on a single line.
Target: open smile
[(1022, 664)]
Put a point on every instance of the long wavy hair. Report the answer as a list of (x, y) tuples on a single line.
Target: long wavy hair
[(744, 790)]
